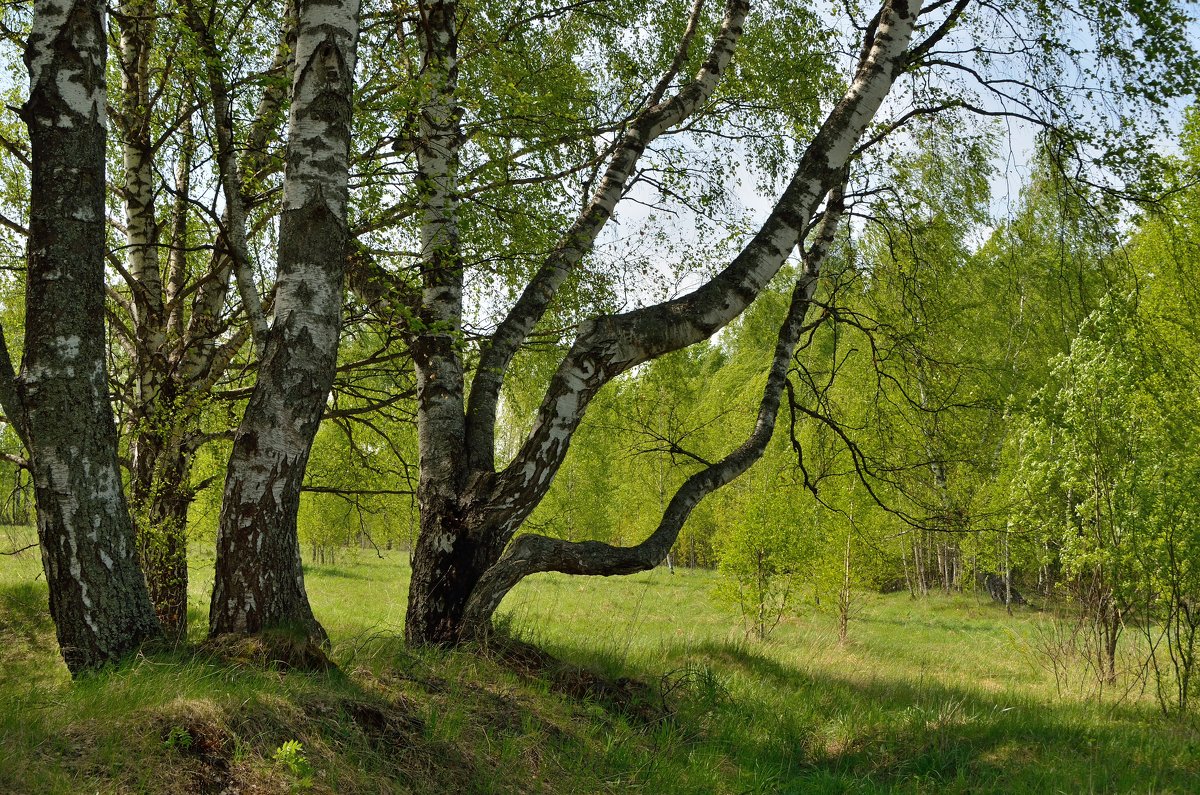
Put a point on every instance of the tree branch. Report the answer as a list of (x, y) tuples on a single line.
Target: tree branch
[(537, 553), (512, 332), (610, 345)]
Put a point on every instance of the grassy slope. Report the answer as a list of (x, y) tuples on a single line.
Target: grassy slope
[(936, 695)]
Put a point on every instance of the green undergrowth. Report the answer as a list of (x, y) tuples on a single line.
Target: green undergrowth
[(637, 684)]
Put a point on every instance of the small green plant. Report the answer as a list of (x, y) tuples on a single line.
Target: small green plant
[(241, 751), (178, 737), (695, 690), (290, 756)]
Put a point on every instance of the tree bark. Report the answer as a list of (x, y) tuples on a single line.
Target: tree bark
[(98, 596), (472, 520), (444, 567), (459, 538), (259, 577)]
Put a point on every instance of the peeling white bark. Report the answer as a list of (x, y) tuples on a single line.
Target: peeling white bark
[(82, 100), (49, 18), (320, 150), (613, 344)]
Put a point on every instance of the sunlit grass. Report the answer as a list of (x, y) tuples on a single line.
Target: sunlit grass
[(943, 694)]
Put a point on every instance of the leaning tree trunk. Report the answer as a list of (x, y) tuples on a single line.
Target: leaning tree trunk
[(462, 534), (491, 505), (259, 578), (533, 553), (98, 596)]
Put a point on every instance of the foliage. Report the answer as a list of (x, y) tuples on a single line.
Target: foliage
[(290, 756), (762, 553)]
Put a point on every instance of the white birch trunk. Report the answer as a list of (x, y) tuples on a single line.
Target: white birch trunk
[(443, 558), (259, 580), (98, 596)]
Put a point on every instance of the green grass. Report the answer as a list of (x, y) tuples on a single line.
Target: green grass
[(657, 691)]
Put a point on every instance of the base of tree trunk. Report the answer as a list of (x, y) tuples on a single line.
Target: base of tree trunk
[(994, 584), (167, 580), (276, 649)]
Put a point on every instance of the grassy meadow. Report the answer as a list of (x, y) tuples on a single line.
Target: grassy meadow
[(636, 684)]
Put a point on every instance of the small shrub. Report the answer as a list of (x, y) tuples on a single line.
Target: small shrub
[(178, 737), (290, 756)]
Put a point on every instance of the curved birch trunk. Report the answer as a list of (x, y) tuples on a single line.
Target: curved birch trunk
[(259, 579), (459, 574), (533, 553), (98, 596)]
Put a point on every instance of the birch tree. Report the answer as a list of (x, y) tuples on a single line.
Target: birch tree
[(60, 402), (259, 579), (470, 512), (177, 332), (472, 505)]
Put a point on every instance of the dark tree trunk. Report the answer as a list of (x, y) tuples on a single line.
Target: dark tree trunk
[(1001, 589), (259, 575), (161, 494), (444, 576), (98, 597)]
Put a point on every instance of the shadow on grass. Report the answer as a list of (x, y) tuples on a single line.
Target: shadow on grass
[(848, 734), (332, 572), (24, 613), (433, 720)]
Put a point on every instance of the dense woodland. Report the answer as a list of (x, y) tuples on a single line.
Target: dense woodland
[(594, 287)]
